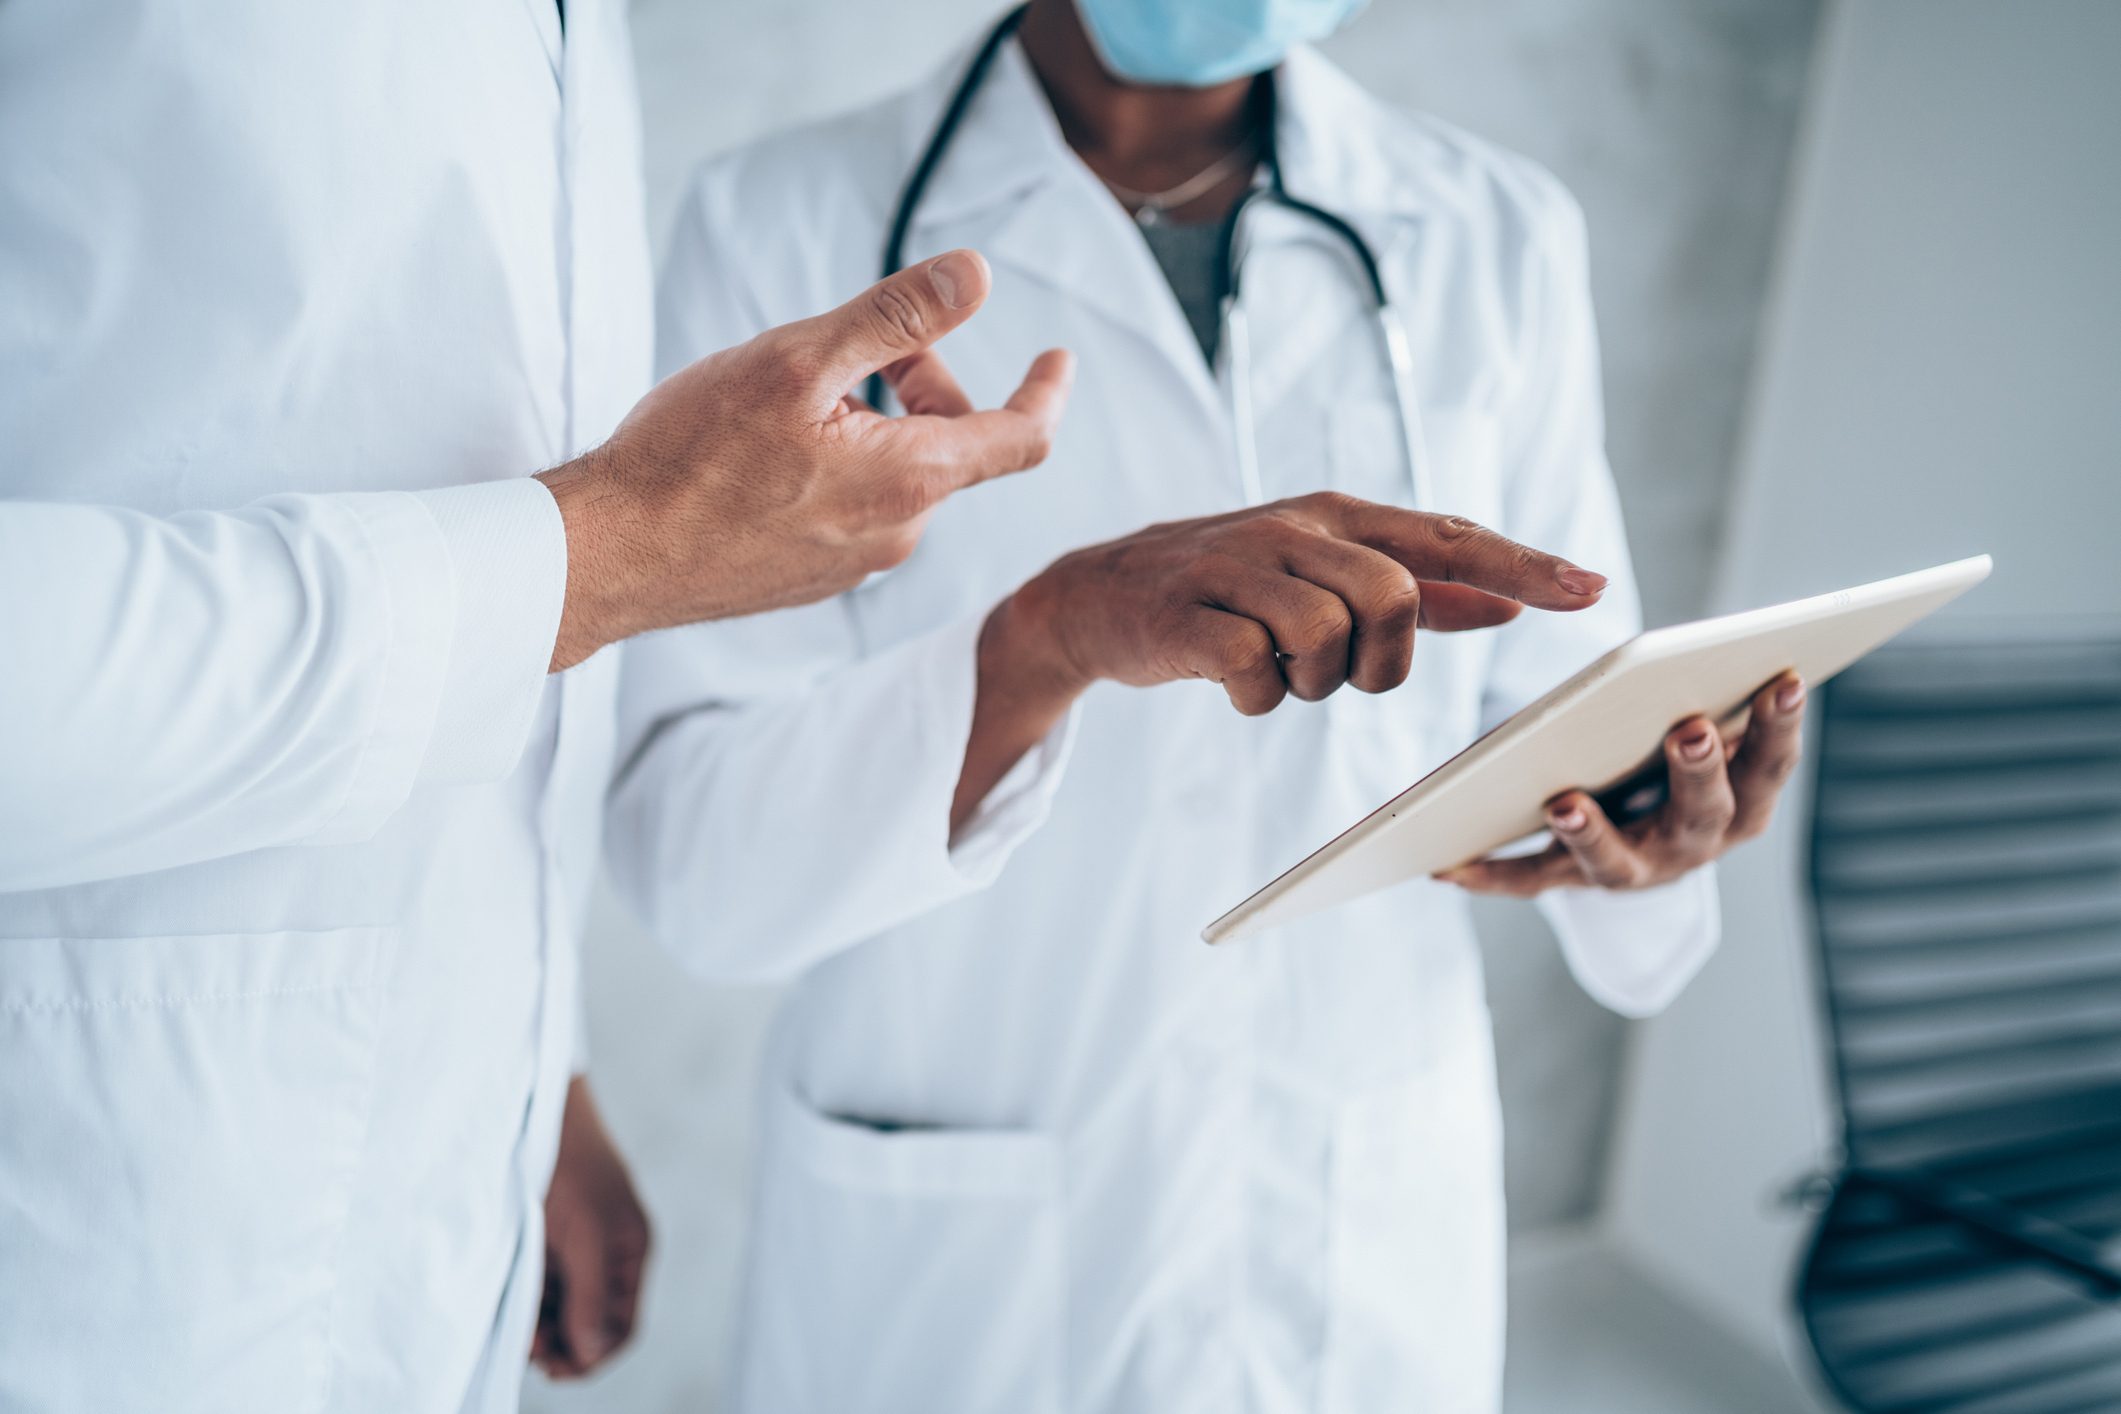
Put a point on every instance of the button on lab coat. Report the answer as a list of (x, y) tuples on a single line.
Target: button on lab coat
[(293, 830), (1038, 1149)]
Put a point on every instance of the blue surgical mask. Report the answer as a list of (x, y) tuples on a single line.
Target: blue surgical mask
[(1196, 43)]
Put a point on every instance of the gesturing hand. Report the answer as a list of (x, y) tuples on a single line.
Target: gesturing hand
[(1721, 794), (753, 479)]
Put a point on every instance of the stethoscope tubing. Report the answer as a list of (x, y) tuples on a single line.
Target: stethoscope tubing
[(1235, 325), (916, 187)]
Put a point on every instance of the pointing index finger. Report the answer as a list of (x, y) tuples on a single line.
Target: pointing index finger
[(1454, 550)]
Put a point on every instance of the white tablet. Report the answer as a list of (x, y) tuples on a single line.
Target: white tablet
[(1602, 731)]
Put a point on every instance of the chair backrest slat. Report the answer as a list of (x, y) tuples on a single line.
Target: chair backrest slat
[(1966, 876), (1966, 888)]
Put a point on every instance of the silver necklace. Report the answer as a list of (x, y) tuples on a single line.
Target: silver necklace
[(1149, 208)]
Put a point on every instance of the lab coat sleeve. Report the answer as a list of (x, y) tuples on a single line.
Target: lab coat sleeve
[(758, 835), (187, 687), (1633, 952)]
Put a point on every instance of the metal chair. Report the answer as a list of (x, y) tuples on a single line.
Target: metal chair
[(1966, 881)]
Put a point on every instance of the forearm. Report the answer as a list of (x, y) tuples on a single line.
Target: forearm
[(757, 838), (1021, 696)]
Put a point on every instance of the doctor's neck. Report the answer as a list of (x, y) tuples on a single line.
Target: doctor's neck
[(1135, 136)]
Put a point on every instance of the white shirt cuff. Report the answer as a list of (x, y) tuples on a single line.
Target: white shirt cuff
[(1015, 808), (406, 573), (1635, 951), (508, 557)]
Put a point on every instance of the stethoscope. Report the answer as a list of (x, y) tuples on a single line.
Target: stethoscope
[(1236, 332)]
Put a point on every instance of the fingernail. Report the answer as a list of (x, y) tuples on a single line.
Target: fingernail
[(1697, 746), (1578, 581), (954, 277), (1790, 696), (1569, 819)]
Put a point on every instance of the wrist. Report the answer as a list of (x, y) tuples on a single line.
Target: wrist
[(1024, 654), (1025, 686), (610, 589)]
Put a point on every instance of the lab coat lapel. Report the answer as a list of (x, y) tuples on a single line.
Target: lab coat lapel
[(545, 15), (1342, 150), (1057, 225), (1075, 238), (1010, 185), (1305, 289)]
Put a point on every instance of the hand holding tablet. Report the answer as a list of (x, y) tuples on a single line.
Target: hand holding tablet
[(1708, 790), (1600, 730)]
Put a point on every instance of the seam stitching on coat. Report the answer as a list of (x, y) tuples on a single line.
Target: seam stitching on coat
[(147, 1001)]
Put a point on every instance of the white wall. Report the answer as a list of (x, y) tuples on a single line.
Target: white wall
[(1941, 376), (1669, 118)]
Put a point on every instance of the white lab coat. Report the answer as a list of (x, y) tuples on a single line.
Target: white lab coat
[(293, 831), (1039, 1149)]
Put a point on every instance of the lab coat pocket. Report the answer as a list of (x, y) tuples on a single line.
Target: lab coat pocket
[(903, 1269), (1416, 1312), (189, 1111)]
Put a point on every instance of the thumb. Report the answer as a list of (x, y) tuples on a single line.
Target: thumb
[(899, 316)]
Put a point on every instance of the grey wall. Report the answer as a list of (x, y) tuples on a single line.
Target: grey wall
[(1670, 119), (1940, 379)]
